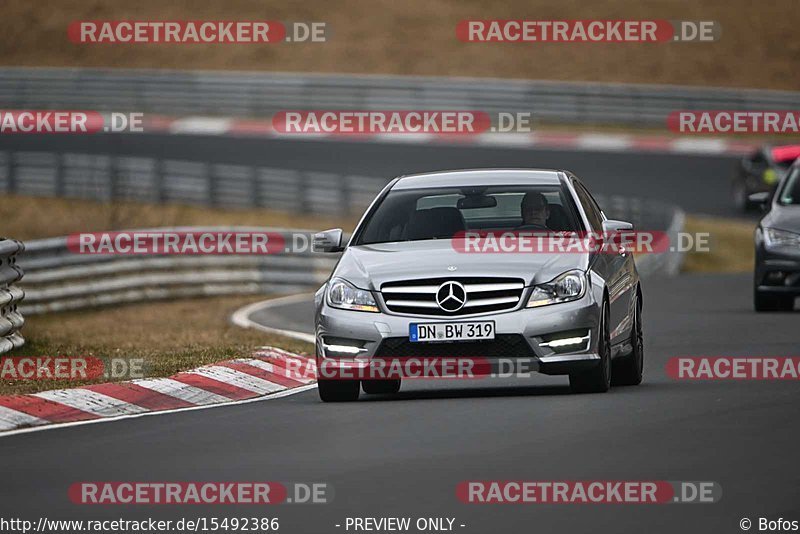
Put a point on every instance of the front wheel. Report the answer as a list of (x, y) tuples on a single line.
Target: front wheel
[(597, 380), (338, 390), (628, 369), (764, 302)]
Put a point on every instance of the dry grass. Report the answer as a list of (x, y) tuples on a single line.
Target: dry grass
[(730, 247), (169, 337), (758, 47), (33, 217)]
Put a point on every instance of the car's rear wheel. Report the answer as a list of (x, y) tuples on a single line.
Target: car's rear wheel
[(598, 379), (628, 369), (376, 387), (765, 302), (338, 390)]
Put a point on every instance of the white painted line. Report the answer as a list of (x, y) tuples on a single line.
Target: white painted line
[(12, 419), (293, 391), (201, 125), (241, 317), (413, 138), (181, 391), (603, 142), (515, 139), (700, 146), (238, 379), (91, 401)]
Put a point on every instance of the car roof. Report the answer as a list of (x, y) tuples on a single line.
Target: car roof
[(479, 177)]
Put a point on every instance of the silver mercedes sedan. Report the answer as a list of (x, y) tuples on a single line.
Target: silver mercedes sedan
[(499, 268)]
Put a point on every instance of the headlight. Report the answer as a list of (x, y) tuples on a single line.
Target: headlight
[(565, 287), (781, 238), (344, 295)]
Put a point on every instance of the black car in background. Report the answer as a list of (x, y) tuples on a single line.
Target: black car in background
[(777, 269), (760, 172)]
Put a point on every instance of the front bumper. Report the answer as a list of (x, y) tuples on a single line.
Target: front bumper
[(523, 334), (777, 271)]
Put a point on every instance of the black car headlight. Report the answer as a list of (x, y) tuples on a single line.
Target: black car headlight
[(781, 238), (342, 294), (566, 287)]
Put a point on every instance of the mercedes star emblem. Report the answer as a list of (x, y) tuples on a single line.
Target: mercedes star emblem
[(451, 296)]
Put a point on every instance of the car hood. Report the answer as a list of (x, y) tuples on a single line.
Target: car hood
[(783, 218), (369, 266)]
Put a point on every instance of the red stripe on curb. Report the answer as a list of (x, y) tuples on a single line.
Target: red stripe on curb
[(281, 364), (281, 367), (652, 143), (45, 409), (263, 374), (135, 394), (255, 127), (215, 386)]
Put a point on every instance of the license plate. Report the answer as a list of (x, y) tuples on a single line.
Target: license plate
[(451, 331)]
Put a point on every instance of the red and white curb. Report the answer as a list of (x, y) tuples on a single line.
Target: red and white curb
[(269, 372), (605, 142)]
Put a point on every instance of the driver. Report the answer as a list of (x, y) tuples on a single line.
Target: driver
[(534, 210)]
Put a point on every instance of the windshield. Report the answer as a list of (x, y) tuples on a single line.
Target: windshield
[(420, 214), (790, 192)]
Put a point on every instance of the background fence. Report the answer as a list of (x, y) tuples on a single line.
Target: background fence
[(10, 295), (262, 94)]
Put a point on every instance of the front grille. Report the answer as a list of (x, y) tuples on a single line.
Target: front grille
[(502, 346), (418, 297)]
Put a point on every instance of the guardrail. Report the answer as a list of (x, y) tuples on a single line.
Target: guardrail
[(161, 180), (58, 279), (262, 94), (11, 319)]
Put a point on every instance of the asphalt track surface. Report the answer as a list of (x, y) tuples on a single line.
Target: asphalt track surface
[(404, 455)]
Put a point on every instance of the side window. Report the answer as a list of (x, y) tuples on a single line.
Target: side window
[(590, 207)]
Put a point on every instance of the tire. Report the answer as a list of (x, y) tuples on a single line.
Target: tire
[(765, 302), (338, 390), (628, 369), (377, 387), (598, 379)]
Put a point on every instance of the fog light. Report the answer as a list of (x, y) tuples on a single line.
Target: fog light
[(565, 342), (343, 349), (775, 277)]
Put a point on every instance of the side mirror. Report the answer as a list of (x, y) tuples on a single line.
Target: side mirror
[(328, 241), (760, 199), (611, 226)]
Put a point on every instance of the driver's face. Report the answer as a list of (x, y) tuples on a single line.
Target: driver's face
[(536, 213)]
